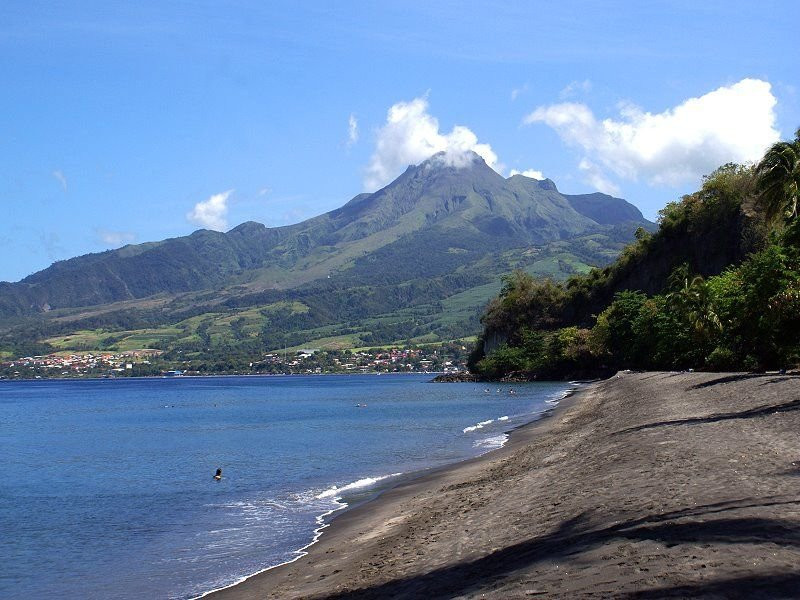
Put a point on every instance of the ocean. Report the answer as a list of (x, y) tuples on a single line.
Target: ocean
[(108, 489)]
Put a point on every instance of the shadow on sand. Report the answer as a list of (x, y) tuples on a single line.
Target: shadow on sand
[(726, 379), (773, 586), (758, 411), (578, 535)]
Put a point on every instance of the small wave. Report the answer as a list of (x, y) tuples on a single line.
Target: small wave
[(336, 491), (224, 530), (555, 399), (480, 425), (491, 443), (249, 507), (502, 418)]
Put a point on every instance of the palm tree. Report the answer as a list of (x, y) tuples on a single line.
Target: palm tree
[(693, 300), (778, 180)]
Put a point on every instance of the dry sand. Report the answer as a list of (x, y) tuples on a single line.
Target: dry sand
[(646, 485)]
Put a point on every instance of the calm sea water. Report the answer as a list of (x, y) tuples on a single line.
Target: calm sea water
[(107, 488)]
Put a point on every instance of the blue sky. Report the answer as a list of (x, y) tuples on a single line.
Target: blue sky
[(131, 122)]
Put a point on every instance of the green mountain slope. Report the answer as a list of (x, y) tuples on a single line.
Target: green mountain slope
[(436, 232)]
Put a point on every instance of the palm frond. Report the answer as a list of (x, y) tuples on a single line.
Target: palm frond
[(778, 180)]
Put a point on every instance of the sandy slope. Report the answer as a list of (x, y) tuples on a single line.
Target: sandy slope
[(643, 486)]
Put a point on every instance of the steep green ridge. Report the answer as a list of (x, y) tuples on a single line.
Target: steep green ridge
[(436, 232), (716, 287)]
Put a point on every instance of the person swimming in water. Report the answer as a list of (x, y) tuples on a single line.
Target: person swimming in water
[(218, 475)]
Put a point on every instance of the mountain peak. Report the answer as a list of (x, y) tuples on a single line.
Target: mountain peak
[(248, 228), (459, 166), (455, 159), (451, 200)]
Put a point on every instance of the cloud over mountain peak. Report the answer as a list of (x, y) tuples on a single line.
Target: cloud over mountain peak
[(411, 135)]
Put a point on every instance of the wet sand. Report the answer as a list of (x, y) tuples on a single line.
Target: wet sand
[(646, 485)]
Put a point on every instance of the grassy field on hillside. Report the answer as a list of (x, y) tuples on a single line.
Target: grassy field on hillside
[(451, 318)]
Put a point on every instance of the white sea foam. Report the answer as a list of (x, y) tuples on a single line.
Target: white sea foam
[(335, 491), (502, 418), (480, 425), (333, 495), (555, 399), (491, 443)]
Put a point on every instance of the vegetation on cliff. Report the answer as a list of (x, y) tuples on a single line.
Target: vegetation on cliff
[(716, 287)]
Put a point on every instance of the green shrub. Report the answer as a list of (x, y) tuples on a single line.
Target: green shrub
[(722, 359)]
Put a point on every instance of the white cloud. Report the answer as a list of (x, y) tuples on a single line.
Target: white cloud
[(352, 130), (679, 145), (115, 238), (528, 173), (212, 213), (411, 135), (597, 179), (61, 179)]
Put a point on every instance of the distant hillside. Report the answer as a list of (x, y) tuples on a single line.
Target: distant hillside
[(604, 209), (435, 232)]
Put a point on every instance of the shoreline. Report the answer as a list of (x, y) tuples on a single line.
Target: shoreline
[(328, 518), (428, 476), (211, 375), (645, 485)]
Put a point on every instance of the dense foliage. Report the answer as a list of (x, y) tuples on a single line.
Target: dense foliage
[(717, 287)]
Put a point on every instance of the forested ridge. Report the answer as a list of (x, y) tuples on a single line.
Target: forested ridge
[(716, 287)]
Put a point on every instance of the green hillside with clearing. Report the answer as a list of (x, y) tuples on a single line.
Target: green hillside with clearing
[(416, 261)]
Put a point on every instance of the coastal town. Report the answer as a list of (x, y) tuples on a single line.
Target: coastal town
[(444, 358)]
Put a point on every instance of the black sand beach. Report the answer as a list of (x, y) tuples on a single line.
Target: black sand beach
[(645, 485)]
